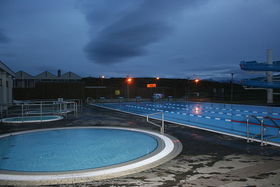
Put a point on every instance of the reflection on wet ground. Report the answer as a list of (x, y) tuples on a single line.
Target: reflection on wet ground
[(207, 159)]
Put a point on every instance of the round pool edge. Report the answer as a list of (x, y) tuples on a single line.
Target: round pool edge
[(4, 120), (169, 147)]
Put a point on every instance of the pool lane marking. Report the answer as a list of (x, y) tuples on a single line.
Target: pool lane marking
[(246, 111), (207, 117), (237, 110), (199, 116), (236, 121), (205, 107)]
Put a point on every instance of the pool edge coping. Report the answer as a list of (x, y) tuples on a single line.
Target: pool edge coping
[(86, 176), (3, 120)]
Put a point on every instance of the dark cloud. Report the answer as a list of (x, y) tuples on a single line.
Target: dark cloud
[(162, 38), (115, 46), (131, 34), (3, 37)]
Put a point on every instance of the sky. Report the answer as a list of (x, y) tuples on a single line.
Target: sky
[(138, 38)]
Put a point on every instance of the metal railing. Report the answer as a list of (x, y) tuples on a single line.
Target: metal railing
[(40, 108), (162, 121), (253, 137), (276, 125), (263, 136)]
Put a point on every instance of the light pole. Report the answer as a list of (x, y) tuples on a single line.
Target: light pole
[(231, 87), (128, 82), (102, 77), (157, 79), (187, 88), (196, 81)]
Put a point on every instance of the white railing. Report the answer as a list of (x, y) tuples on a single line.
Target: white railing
[(40, 108), (253, 137), (262, 136), (162, 121)]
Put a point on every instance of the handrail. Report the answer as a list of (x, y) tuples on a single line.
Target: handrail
[(276, 125), (272, 120), (263, 128), (162, 121), (255, 117), (261, 131)]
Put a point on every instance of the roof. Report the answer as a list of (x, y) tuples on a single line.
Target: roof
[(46, 75), (23, 75), (70, 75), (5, 68)]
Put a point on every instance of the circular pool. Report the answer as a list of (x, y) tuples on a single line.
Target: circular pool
[(32, 119), (38, 112), (67, 155)]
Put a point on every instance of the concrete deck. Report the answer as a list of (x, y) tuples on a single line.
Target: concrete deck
[(207, 159)]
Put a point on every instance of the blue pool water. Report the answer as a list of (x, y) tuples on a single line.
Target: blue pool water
[(72, 149), (224, 118)]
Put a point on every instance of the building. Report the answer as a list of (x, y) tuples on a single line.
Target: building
[(48, 86), (6, 84), (25, 80)]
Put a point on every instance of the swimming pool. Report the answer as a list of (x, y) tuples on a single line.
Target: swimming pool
[(229, 119), (32, 119), (67, 155)]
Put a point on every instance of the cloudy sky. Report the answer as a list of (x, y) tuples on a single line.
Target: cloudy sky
[(115, 38)]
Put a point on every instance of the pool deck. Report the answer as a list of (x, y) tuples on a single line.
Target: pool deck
[(207, 159)]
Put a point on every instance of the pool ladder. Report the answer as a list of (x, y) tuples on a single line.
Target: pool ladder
[(162, 121), (262, 129), (252, 138)]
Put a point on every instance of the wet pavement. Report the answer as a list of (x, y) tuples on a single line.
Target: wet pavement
[(207, 159)]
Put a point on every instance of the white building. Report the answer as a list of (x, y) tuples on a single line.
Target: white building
[(6, 84)]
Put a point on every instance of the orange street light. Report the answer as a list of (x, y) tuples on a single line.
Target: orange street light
[(129, 80), (196, 81), (157, 78)]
